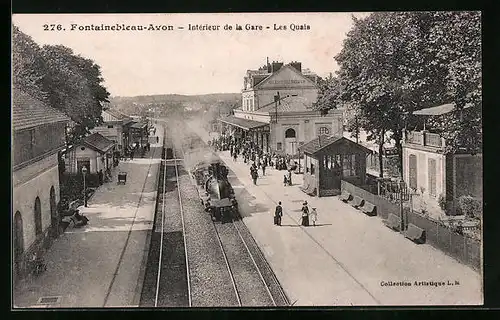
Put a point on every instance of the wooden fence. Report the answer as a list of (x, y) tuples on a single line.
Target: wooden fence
[(459, 246)]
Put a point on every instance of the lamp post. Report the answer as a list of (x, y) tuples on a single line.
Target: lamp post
[(84, 172)]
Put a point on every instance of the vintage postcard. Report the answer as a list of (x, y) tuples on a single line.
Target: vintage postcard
[(247, 160)]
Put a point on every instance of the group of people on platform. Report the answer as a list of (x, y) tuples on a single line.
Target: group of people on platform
[(254, 156), (131, 151), (306, 215)]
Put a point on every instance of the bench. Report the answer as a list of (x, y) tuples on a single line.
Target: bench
[(415, 234), (393, 222), (357, 202), (369, 209), (345, 196)]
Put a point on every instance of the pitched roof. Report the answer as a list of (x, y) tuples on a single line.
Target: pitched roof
[(282, 69), (98, 142), (439, 110), (28, 112), (288, 104), (324, 141), (243, 123), (118, 115)]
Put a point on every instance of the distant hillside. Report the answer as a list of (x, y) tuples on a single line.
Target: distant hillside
[(167, 103)]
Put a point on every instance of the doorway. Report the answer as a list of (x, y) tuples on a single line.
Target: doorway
[(54, 219), (38, 217), (290, 142), (18, 241)]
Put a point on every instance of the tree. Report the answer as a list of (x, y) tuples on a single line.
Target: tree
[(74, 87), (393, 63), (456, 45), (55, 75), (26, 65), (328, 94)]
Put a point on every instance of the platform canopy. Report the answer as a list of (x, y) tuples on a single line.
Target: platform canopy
[(244, 124), (439, 110), (139, 125)]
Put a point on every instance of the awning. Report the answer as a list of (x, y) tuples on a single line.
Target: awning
[(139, 125), (439, 110), (245, 124)]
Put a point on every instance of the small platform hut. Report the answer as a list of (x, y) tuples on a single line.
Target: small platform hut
[(330, 159)]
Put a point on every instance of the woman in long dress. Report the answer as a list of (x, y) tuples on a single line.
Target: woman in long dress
[(305, 214)]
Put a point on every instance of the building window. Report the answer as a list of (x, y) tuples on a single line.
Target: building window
[(290, 133), (312, 168), (83, 162), (432, 177), (33, 140), (413, 171), (110, 126), (278, 146), (349, 166), (324, 130)]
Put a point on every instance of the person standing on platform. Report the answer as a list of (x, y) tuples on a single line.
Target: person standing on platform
[(278, 213), (254, 175), (101, 177), (290, 177), (314, 216), (263, 168), (305, 215)]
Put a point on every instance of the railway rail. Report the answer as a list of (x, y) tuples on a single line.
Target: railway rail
[(166, 282), (253, 281), (185, 266)]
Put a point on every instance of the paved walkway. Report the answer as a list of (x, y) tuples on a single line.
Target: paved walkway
[(102, 264), (349, 258)]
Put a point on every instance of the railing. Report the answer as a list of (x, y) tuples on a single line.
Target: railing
[(433, 139), (424, 139), (415, 137)]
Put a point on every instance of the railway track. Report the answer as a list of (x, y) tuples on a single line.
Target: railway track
[(166, 283), (252, 279), (185, 265)]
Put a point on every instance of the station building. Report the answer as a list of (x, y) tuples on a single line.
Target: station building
[(433, 174), (116, 127), (38, 135), (277, 109)]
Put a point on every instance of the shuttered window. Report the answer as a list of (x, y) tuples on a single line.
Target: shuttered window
[(413, 171), (432, 177)]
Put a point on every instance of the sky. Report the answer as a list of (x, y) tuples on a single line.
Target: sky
[(184, 61)]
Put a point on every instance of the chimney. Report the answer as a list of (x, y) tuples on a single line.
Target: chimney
[(275, 66), (269, 70), (297, 65)]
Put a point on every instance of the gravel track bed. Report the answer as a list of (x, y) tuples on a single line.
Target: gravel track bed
[(279, 296), (209, 278), (210, 282), (251, 289), (172, 289)]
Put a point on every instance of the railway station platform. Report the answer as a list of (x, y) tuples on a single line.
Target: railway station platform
[(348, 259), (103, 263)]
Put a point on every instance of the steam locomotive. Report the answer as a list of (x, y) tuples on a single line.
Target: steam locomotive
[(216, 192)]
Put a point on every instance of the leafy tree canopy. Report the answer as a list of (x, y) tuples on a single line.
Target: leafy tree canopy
[(64, 80), (393, 63)]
